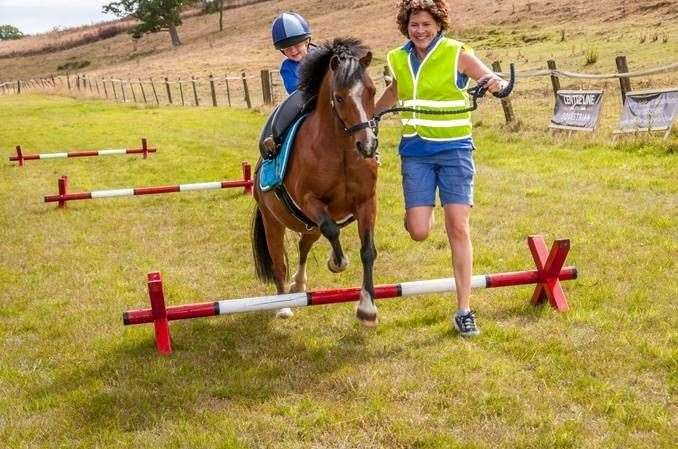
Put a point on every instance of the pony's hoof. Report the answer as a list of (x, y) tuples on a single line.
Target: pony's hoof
[(368, 319), (284, 313), (297, 288), (336, 268)]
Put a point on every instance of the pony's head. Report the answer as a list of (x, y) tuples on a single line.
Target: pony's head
[(340, 68)]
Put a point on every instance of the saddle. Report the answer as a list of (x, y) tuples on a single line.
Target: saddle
[(279, 121), (272, 170)]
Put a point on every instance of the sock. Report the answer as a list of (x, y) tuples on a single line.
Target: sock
[(462, 312)]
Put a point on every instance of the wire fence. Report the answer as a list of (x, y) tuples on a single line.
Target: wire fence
[(232, 90), (266, 88)]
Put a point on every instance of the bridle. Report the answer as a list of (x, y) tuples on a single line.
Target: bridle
[(373, 124)]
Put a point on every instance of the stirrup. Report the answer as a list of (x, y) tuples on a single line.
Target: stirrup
[(269, 145)]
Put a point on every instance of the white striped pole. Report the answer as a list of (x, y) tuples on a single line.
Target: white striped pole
[(20, 157), (547, 276), (63, 196)]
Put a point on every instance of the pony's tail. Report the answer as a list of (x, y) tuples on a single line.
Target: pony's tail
[(262, 257)]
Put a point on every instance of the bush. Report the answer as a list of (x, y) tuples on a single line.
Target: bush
[(75, 65), (591, 55)]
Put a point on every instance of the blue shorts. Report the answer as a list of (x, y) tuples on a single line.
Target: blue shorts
[(451, 172)]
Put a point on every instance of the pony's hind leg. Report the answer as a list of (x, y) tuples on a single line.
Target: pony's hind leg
[(275, 240), (305, 244)]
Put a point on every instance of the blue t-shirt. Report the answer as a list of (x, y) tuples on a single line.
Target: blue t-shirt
[(289, 72), (415, 145)]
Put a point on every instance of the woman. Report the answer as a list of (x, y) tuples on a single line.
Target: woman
[(430, 72), (291, 34)]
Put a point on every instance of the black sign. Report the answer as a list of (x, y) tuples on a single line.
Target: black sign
[(649, 110), (577, 109)]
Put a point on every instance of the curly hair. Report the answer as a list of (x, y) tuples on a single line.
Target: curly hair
[(437, 8)]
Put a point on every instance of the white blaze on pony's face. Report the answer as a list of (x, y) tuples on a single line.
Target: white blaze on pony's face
[(354, 105)]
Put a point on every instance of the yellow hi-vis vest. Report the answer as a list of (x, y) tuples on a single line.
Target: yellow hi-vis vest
[(434, 87)]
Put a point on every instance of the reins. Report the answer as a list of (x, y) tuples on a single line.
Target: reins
[(476, 92)]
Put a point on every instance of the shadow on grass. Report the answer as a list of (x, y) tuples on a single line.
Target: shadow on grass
[(241, 361)]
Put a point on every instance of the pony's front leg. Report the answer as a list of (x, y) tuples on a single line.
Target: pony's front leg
[(329, 228), (367, 311)]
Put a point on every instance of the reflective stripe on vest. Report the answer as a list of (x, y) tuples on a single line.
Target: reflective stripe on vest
[(433, 87)]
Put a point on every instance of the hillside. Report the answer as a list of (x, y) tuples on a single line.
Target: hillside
[(524, 31)]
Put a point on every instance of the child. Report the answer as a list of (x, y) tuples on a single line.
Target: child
[(291, 35)]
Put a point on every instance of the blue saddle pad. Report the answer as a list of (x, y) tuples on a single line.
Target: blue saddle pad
[(272, 171)]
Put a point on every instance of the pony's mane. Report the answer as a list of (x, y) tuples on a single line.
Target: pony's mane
[(315, 65)]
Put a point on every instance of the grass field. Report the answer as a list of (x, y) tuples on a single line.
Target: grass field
[(602, 375)]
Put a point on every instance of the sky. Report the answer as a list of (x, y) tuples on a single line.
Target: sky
[(39, 16)]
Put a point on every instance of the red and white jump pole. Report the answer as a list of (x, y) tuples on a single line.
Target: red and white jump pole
[(85, 153), (64, 196), (547, 276)]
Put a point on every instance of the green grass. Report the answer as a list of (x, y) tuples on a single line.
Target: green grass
[(602, 375)]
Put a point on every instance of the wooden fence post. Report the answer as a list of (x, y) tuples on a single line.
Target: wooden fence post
[(228, 91), (247, 92), (155, 93), (505, 102), (96, 83), (68, 80), (169, 93), (18, 86), (266, 87), (624, 81), (122, 88), (181, 92), (131, 87), (195, 91), (214, 93), (555, 82), (115, 94), (103, 81), (143, 93)]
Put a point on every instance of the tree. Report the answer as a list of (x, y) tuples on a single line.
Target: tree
[(9, 32), (212, 6), (221, 14), (154, 15)]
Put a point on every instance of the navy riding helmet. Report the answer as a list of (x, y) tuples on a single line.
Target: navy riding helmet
[(288, 29)]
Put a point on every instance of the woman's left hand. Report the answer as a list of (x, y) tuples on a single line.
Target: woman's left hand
[(493, 82)]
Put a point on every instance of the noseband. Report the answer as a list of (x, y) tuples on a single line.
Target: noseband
[(373, 124)]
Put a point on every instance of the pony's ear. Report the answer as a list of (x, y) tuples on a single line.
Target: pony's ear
[(334, 63), (366, 60)]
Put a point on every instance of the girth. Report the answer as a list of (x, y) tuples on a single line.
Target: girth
[(284, 197)]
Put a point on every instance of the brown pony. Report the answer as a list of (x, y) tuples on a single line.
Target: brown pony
[(331, 174)]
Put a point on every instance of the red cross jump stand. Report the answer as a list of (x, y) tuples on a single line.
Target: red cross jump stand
[(547, 276), (549, 265), (21, 157)]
